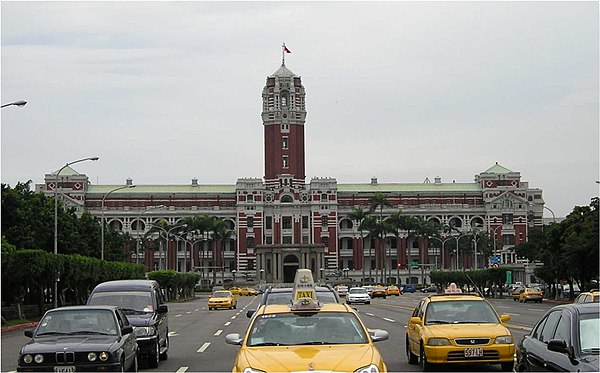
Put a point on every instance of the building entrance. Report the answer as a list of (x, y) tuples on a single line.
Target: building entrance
[(290, 265)]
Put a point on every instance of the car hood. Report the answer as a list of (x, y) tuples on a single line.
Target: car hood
[(145, 319), (453, 331), (339, 358), (219, 299), (75, 343)]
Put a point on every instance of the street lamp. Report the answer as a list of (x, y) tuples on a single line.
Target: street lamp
[(56, 215), (137, 246), (190, 236), (442, 252), (167, 233), (233, 272), (19, 103), (458, 250), (262, 273), (102, 216)]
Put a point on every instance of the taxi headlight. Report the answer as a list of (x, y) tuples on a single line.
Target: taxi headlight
[(438, 342), (505, 339), (92, 356), (28, 359), (369, 369), (250, 370), (143, 331)]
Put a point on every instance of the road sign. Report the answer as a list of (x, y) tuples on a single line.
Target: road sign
[(414, 265), (508, 277)]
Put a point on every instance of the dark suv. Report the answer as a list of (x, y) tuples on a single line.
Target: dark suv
[(143, 303), (325, 294)]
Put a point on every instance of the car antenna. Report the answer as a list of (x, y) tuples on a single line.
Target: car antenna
[(475, 286)]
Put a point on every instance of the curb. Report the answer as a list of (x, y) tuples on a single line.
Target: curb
[(18, 326)]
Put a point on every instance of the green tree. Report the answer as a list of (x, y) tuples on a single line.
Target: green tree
[(358, 215)]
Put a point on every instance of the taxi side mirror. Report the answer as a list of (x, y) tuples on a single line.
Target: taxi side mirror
[(504, 318), (249, 313), (416, 320), (233, 339), (380, 335)]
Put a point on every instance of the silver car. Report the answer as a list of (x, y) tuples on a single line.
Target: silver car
[(358, 295)]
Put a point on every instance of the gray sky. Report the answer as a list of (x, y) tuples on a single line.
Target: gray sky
[(164, 92)]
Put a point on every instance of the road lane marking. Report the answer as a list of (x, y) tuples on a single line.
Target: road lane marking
[(204, 347), (172, 334), (218, 332), (189, 312), (228, 323), (233, 317), (197, 309), (390, 320), (182, 370), (177, 315), (369, 314)]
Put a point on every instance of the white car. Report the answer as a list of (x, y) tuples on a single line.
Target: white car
[(358, 295), (342, 290)]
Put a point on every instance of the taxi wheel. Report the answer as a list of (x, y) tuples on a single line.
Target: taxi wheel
[(423, 360), (155, 357), (412, 358)]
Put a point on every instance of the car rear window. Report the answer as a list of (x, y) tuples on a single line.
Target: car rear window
[(137, 301)]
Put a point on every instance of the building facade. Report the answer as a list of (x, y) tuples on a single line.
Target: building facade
[(280, 223)]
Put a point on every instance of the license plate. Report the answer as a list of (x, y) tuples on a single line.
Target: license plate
[(65, 369), (474, 352)]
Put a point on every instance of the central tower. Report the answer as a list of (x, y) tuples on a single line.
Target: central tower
[(283, 116)]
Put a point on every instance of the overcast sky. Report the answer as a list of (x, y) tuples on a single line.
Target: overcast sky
[(164, 92)]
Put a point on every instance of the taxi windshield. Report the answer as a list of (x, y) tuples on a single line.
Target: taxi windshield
[(221, 294), (460, 312), (301, 329)]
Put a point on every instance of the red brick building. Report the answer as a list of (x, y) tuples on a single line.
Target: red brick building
[(280, 222)]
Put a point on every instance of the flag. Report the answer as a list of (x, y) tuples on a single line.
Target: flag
[(286, 50)]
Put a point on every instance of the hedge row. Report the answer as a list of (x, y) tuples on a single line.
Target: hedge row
[(28, 277)]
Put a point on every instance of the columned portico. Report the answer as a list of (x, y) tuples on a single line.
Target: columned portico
[(280, 262)]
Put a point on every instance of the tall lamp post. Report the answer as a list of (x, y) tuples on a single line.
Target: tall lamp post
[(458, 250), (137, 246), (56, 214), (19, 103), (442, 252), (167, 233), (102, 216)]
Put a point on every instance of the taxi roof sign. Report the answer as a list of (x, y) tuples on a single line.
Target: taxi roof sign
[(304, 295), (453, 289)]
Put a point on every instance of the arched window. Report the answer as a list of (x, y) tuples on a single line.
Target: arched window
[(287, 199)]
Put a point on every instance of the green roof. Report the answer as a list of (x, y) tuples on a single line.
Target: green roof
[(409, 187), (67, 171), (163, 189), (497, 169)]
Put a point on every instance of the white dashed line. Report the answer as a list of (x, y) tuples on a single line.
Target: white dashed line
[(197, 309), (390, 320), (204, 347), (369, 314), (218, 332), (233, 317), (177, 315), (189, 312), (182, 370), (227, 323)]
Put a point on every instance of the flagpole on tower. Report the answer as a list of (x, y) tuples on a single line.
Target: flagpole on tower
[(284, 50)]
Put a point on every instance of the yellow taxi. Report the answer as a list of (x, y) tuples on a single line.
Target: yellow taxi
[(222, 299), (307, 336), (457, 328), (235, 290), (379, 291), (592, 296), (531, 294), (517, 292), (393, 290), (244, 291)]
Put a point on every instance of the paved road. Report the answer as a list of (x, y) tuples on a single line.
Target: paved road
[(197, 335)]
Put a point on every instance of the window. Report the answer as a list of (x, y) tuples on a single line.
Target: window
[(507, 218), (250, 198), (325, 241), (549, 327), (269, 222), (285, 161), (324, 221), (269, 240), (305, 222), (562, 330), (284, 142), (324, 197), (508, 239), (250, 221), (287, 240), (250, 242), (286, 222)]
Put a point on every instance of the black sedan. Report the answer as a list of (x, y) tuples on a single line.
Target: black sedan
[(80, 339), (565, 339)]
